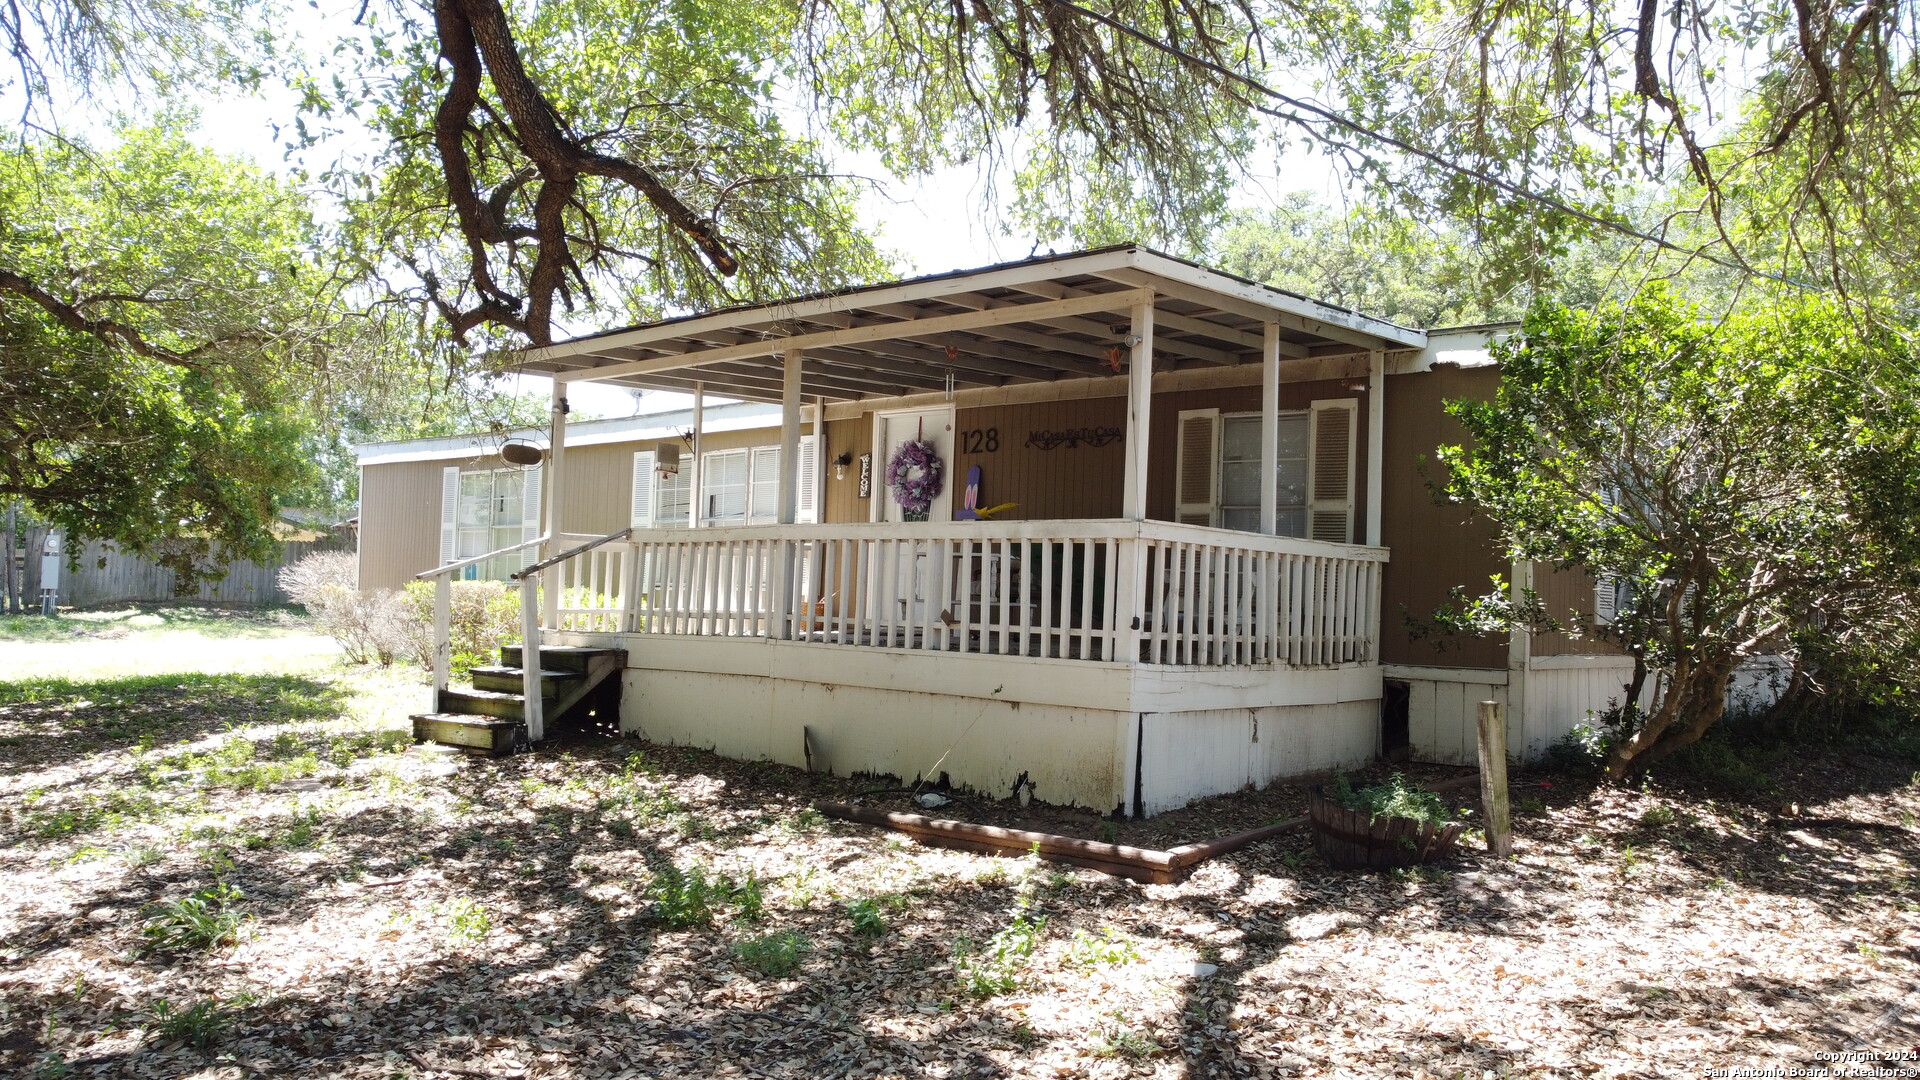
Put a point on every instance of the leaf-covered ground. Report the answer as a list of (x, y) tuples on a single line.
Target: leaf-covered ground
[(248, 874)]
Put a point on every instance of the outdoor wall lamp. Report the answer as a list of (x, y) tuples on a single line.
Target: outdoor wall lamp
[(840, 464)]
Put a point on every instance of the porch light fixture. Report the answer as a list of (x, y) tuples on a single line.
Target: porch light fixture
[(840, 464)]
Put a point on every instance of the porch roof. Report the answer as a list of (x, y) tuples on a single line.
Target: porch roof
[(1035, 320)]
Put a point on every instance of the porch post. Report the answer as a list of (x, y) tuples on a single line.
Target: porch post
[(1133, 501), (1131, 576), (1376, 439), (789, 437), (1270, 429), (782, 606), (550, 491), (694, 500)]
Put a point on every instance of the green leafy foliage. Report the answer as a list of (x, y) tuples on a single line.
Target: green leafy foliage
[(199, 1025), (994, 968), (685, 898), (866, 917), (776, 955), (164, 413), (1746, 487), (466, 919), (1106, 949), (202, 921), (1395, 797), (482, 616)]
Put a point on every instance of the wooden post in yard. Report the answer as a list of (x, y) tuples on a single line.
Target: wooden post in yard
[(1493, 778)]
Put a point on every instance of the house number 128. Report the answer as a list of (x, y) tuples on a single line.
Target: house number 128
[(980, 441)]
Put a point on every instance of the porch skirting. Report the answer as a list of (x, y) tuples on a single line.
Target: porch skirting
[(1135, 738)]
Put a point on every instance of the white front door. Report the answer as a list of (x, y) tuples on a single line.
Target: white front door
[(891, 430)]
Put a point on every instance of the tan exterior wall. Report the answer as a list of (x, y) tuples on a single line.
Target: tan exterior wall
[(399, 522), (1434, 547), (400, 501)]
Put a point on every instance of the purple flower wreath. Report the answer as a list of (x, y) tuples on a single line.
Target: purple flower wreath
[(914, 477)]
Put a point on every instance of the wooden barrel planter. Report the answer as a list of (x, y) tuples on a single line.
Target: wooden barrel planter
[(1350, 841)]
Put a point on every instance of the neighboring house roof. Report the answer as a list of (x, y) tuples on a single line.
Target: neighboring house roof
[(905, 337), (667, 423)]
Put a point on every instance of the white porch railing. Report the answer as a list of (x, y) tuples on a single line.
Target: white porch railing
[(1102, 590)]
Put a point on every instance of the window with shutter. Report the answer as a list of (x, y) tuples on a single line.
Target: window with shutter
[(1330, 470), (1197, 468)]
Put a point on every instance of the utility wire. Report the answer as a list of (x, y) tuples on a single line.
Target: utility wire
[(1338, 120)]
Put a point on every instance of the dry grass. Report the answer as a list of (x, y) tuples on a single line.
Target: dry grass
[(413, 914)]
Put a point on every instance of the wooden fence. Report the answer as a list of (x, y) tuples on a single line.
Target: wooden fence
[(110, 576)]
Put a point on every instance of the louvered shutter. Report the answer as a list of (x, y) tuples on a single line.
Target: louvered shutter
[(642, 515), (530, 516), (1330, 470), (1606, 599), (1197, 468), (807, 479), (449, 513)]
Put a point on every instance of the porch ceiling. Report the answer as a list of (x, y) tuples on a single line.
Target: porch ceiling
[(905, 337)]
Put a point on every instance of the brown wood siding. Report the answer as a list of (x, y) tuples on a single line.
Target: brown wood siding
[(1083, 481), (1434, 547), (399, 522), (1564, 592), (843, 502), (1049, 485)]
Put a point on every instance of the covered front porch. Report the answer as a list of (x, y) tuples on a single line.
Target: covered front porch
[(1127, 662)]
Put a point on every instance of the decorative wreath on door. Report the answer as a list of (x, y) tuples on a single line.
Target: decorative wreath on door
[(914, 476)]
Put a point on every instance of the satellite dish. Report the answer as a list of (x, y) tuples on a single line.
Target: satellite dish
[(522, 453)]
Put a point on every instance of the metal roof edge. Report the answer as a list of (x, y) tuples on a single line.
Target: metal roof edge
[(732, 416)]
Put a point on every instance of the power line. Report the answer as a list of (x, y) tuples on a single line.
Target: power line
[(1339, 120)]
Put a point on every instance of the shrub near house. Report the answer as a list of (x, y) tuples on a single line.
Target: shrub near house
[(381, 625)]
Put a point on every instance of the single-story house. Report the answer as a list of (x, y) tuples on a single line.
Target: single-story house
[(1217, 523)]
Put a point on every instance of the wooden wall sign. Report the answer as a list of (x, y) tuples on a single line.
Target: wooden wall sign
[(1073, 438), (866, 476)]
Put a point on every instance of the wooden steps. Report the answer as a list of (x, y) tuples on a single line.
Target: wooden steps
[(491, 716)]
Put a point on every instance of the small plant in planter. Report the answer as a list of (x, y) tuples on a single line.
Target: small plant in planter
[(1381, 826)]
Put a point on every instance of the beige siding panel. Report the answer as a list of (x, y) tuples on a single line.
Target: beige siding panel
[(1434, 548), (1559, 699), (399, 521)]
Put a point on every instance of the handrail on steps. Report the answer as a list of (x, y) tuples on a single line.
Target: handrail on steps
[(618, 534), (441, 572), (532, 706)]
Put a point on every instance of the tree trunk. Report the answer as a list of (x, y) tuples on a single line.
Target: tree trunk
[(36, 547), (9, 567), (1692, 706)]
